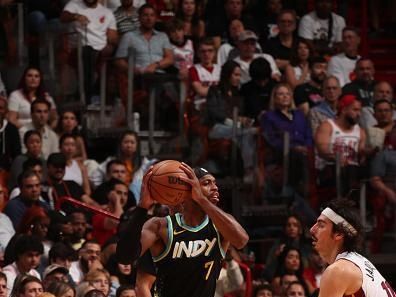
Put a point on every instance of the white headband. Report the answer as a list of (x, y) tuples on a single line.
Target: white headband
[(337, 219)]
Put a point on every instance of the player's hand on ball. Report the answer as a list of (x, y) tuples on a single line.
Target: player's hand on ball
[(196, 193), (146, 201)]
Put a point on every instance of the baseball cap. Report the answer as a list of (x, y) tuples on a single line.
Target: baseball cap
[(53, 268), (57, 160), (246, 35)]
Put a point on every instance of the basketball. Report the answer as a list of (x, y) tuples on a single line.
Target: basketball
[(164, 184)]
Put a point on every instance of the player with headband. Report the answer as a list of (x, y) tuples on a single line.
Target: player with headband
[(336, 236)]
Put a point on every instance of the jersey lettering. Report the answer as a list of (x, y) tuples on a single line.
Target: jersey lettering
[(369, 270), (193, 248)]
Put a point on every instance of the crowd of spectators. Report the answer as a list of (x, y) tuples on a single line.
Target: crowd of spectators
[(295, 78)]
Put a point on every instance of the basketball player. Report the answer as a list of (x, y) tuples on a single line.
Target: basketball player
[(336, 236), (187, 247)]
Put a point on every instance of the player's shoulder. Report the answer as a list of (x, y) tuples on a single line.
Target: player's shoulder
[(343, 270)]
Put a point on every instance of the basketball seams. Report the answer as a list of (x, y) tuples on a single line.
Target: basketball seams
[(159, 194), (167, 173), (169, 186)]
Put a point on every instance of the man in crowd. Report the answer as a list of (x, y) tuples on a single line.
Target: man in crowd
[(322, 27), (79, 224), (363, 85), (40, 114), (343, 65), (55, 273), (309, 94), (247, 53), (327, 109), (97, 27), (30, 186), (344, 137)]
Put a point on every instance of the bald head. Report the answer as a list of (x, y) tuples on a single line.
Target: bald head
[(383, 91)]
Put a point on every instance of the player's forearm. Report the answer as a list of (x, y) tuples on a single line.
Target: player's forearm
[(226, 224)]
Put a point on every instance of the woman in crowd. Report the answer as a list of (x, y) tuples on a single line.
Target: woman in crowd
[(289, 262), (100, 280), (75, 169), (61, 289), (120, 274), (128, 151), (30, 88), (297, 72), (194, 27), (221, 101), (284, 118), (68, 123), (33, 143), (26, 285), (293, 236)]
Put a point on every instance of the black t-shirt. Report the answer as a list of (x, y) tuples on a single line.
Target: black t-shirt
[(363, 91), (307, 93), (276, 49), (256, 98), (191, 262)]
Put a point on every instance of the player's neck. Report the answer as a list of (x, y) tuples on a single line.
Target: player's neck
[(332, 256), (193, 217)]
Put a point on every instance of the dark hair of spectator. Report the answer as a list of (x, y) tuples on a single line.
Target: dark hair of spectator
[(317, 60), (40, 91), (226, 72), (174, 25), (294, 59), (382, 101), (28, 243), (136, 159), (180, 14), (123, 288), (113, 162), (287, 11), (262, 287), (113, 268), (25, 175), (3, 276), (207, 41), (94, 293), (59, 289), (31, 162), (91, 241), (30, 133), (59, 128), (302, 284), (260, 69), (281, 268), (30, 218), (66, 136), (20, 283), (39, 101), (352, 29), (144, 7), (346, 209), (61, 250)]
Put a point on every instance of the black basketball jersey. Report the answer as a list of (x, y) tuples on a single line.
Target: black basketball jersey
[(191, 262)]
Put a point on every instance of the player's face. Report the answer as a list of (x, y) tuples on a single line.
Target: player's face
[(322, 235), (209, 188)]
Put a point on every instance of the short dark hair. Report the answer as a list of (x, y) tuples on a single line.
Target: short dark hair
[(302, 284), (61, 250), (123, 288), (352, 29), (39, 101), (21, 281), (175, 24), (317, 60), (206, 41), (25, 175), (260, 69), (346, 209), (144, 7), (28, 243), (66, 136), (381, 101), (3, 276), (31, 162), (262, 287), (30, 133), (114, 162)]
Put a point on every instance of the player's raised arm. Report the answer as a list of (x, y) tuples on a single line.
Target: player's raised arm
[(139, 234), (229, 228)]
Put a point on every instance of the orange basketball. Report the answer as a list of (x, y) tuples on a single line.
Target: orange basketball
[(165, 186)]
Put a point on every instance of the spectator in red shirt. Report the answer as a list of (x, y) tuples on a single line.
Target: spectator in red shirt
[(104, 227)]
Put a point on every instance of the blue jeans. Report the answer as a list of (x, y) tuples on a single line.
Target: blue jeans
[(245, 140)]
